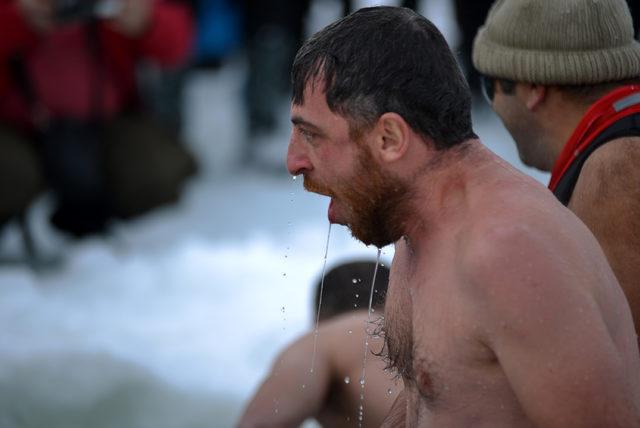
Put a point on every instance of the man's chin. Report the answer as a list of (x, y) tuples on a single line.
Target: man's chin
[(367, 239)]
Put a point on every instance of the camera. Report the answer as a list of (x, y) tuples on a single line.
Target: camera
[(82, 10)]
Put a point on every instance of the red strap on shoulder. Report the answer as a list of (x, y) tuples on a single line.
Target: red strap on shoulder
[(602, 114)]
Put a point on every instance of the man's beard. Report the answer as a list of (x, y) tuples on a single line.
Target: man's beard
[(377, 202)]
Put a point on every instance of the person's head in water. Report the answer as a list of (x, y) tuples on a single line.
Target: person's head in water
[(376, 77), (347, 287)]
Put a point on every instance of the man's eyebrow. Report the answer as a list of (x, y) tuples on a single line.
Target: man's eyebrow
[(297, 121)]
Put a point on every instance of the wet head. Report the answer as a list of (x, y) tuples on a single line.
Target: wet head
[(336, 161), (364, 110)]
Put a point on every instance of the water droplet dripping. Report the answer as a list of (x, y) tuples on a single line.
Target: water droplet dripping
[(295, 177), (357, 295), (354, 280), (366, 343), (347, 380), (324, 267)]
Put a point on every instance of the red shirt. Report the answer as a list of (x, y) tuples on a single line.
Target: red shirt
[(63, 71)]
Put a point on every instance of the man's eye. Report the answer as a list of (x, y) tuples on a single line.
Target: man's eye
[(308, 136)]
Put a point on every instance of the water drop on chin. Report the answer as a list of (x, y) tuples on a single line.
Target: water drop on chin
[(389, 391), (350, 331), (295, 177)]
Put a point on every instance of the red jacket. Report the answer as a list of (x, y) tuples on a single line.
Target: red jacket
[(63, 72)]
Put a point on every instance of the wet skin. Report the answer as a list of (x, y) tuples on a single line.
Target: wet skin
[(326, 396), (501, 304), (606, 196)]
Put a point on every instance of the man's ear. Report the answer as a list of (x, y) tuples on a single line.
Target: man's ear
[(392, 137), (535, 95)]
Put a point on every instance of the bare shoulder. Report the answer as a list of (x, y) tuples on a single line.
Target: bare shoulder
[(343, 336), (611, 174), (528, 253), (502, 250)]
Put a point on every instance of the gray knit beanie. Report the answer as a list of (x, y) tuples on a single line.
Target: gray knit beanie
[(563, 42)]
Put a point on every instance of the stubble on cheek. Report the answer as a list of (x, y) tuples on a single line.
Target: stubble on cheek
[(313, 186)]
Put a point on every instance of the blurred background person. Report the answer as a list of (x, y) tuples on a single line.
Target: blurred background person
[(71, 121), (274, 30), (332, 392)]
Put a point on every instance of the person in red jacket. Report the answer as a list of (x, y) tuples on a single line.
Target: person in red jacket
[(70, 119)]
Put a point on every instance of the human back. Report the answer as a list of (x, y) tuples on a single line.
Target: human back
[(331, 373), (381, 387)]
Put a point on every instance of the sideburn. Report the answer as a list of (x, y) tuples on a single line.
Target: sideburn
[(380, 203)]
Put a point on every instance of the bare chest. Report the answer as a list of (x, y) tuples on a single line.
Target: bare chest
[(433, 340)]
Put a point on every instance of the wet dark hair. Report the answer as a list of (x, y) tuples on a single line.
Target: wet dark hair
[(388, 59), (347, 287)]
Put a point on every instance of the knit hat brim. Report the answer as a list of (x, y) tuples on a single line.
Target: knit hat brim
[(556, 67)]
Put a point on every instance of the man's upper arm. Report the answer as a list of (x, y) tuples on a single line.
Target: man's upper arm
[(291, 394), (548, 334), (607, 199)]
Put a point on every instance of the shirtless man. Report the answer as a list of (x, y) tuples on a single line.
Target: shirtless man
[(502, 310), (574, 109), (331, 395)]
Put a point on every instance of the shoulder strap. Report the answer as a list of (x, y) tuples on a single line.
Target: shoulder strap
[(626, 127)]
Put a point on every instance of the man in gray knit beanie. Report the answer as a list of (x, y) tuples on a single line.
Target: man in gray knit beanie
[(562, 75)]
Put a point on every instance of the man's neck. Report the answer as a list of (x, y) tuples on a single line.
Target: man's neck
[(441, 187), (561, 121)]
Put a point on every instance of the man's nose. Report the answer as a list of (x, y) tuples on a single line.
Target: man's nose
[(297, 160)]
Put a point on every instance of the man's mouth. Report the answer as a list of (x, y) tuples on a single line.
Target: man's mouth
[(331, 212)]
